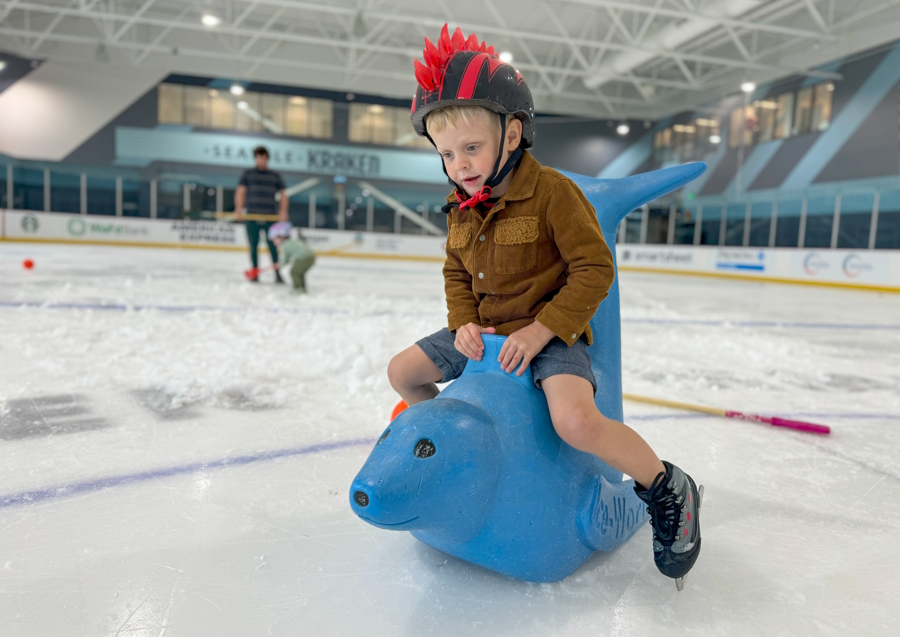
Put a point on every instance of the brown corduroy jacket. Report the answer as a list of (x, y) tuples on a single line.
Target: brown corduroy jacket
[(537, 254)]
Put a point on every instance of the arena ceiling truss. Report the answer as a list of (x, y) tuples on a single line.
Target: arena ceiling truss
[(613, 59)]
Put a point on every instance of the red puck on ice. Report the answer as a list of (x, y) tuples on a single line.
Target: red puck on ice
[(27, 264)]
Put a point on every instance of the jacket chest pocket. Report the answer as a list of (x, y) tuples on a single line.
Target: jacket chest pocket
[(515, 245), (460, 239)]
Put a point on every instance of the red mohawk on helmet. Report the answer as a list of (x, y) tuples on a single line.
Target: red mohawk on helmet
[(429, 75)]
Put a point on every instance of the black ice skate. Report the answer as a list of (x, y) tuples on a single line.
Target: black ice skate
[(674, 507)]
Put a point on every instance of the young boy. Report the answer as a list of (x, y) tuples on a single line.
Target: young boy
[(526, 259), (294, 251)]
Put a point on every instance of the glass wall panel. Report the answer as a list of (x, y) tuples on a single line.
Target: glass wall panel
[(803, 111), (3, 187), (169, 199), (65, 192), (196, 106), (222, 109), (131, 196), (101, 195), (658, 225), (888, 236), (821, 115), (787, 230), (633, 227), (734, 228), (819, 219), (247, 117), (296, 116), (272, 109), (760, 222), (765, 112), (684, 226), (711, 225), (28, 188), (856, 219), (171, 104), (321, 119), (784, 115)]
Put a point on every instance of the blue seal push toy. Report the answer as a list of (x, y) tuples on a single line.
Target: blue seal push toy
[(480, 473)]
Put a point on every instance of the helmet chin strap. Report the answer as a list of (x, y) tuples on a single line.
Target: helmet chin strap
[(492, 182)]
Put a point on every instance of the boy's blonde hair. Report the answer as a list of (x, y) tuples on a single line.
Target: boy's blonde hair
[(437, 121)]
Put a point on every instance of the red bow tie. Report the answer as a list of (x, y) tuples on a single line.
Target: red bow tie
[(482, 195)]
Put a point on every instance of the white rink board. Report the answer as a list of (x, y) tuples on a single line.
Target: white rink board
[(855, 268), (864, 268), (25, 225)]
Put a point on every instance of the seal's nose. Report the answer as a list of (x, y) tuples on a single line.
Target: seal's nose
[(361, 499)]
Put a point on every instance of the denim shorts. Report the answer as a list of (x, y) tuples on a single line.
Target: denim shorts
[(556, 358)]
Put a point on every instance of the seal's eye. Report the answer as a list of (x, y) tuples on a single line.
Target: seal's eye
[(383, 436), (424, 448)]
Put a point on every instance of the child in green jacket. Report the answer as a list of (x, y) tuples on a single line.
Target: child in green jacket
[(292, 251)]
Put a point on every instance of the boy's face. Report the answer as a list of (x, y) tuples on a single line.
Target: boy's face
[(262, 162), (470, 150)]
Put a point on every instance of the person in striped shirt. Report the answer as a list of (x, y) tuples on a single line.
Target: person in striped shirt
[(257, 193)]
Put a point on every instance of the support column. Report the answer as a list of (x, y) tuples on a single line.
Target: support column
[(398, 220), (185, 198), (773, 225), (723, 224), (220, 199), (47, 190), (836, 222), (746, 239), (623, 230), (645, 222), (698, 226), (83, 202), (153, 201), (10, 191), (801, 238), (370, 214), (118, 196), (670, 232), (312, 211), (342, 206)]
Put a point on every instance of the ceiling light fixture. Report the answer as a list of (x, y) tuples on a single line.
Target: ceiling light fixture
[(2, 65), (715, 139), (242, 105), (748, 87), (623, 129), (506, 56), (236, 89), (210, 20)]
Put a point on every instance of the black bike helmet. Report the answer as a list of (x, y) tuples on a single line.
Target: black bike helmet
[(462, 72)]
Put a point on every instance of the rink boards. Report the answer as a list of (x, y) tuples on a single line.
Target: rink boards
[(867, 269)]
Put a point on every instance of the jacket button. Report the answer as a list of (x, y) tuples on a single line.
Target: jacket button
[(574, 335), (481, 275), (481, 238)]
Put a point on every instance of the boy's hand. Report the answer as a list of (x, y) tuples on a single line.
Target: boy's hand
[(522, 346), (468, 340)]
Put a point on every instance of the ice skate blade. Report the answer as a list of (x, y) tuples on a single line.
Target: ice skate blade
[(700, 500), (679, 581), (679, 584)]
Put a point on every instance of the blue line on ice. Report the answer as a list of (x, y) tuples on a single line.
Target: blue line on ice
[(77, 488), (65, 491), (121, 307)]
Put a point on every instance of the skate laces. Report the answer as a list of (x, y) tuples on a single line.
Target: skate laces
[(664, 510)]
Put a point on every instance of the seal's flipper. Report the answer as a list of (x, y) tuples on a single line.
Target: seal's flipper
[(610, 514), (613, 199)]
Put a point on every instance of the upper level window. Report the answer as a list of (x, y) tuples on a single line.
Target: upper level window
[(808, 110), (388, 125), (251, 111)]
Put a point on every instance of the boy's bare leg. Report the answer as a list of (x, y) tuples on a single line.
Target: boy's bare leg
[(578, 421), (413, 375)]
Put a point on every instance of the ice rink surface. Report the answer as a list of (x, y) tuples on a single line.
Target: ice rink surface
[(178, 444)]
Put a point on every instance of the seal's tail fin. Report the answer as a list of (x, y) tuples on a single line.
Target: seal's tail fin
[(613, 199), (610, 514)]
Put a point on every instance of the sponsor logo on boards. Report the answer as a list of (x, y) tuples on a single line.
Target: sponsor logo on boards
[(854, 265), (813, 264), (30, 223)]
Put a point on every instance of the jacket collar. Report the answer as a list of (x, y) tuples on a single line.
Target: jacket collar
[(523, 183)]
